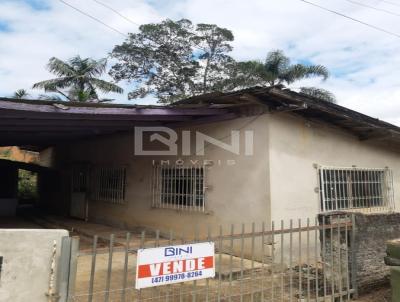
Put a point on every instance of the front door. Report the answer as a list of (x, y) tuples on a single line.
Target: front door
[(79, 191)]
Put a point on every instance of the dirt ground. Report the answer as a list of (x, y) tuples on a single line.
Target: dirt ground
[(379, 295)]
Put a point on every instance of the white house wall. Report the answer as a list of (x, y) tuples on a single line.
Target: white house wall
[(296, 145)]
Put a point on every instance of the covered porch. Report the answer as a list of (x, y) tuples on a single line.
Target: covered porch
[(62, 186)]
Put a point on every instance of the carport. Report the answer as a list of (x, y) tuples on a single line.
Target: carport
[(38, 125)]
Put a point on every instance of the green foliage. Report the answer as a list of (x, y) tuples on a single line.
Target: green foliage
[(174, 60), (319, 93), (77, 79), (5, 153), (27, 185), (277, 71), (21, 94), (52, 97)]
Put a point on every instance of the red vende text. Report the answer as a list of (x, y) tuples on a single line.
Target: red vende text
[(173, 267)]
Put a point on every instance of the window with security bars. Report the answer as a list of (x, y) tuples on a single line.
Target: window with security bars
[(355, 188), (179, 187), (108, 184)]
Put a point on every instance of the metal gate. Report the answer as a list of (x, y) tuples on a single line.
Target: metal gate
[(294, 261)]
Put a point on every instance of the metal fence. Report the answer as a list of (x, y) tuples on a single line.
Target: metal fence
[(293, 261)]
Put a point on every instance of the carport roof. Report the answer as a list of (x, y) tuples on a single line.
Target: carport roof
[(23, 165), (44, 123)]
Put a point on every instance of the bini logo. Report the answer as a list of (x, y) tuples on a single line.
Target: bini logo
[(172, 251)]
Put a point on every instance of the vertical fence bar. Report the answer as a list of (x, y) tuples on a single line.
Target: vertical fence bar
[(291, 260), (316, 226), (92, 269), (109, 270), (252, 261), (262, 259), (219, 262), (272, 261), (157, 244), (300, 264), (73, 266), (324, 255), (281, 264), (231, 261), (196, 238), (241, 261), (208, 280), (170, 242), (125, 274), (181, 293), (332, 261), (142, 245), (308, 260)]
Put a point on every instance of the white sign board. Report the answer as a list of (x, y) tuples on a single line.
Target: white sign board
[(174, 264)]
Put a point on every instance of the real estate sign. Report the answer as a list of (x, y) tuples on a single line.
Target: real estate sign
[(174, 264)]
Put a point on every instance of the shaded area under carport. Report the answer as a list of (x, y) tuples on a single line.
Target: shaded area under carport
[(39, 124), (9, 178)]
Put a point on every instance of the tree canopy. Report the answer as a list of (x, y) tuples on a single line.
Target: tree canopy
[(78, 79), (173, 60)]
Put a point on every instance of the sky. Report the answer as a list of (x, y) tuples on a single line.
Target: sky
[(363, 61)]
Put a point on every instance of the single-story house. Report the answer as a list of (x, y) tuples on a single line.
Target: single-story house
[(255, 155)]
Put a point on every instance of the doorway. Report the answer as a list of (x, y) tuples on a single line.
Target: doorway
[(79, 191)]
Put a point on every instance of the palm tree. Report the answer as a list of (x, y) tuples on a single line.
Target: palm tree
[(77, 79), (278, 71), (20, 94), (52, 97)]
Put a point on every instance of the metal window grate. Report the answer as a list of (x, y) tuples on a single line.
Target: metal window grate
[(355, 188), (108, 184), (179, 187)]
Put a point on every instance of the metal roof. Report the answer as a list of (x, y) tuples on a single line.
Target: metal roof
[(45, 123), (285, 100)]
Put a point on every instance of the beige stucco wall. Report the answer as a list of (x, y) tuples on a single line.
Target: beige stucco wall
[(281, 175), (237, 193), (297, 144)]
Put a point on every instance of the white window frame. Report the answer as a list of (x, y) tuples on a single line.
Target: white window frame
[(108, 184), (354, 188), (179, 187)]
